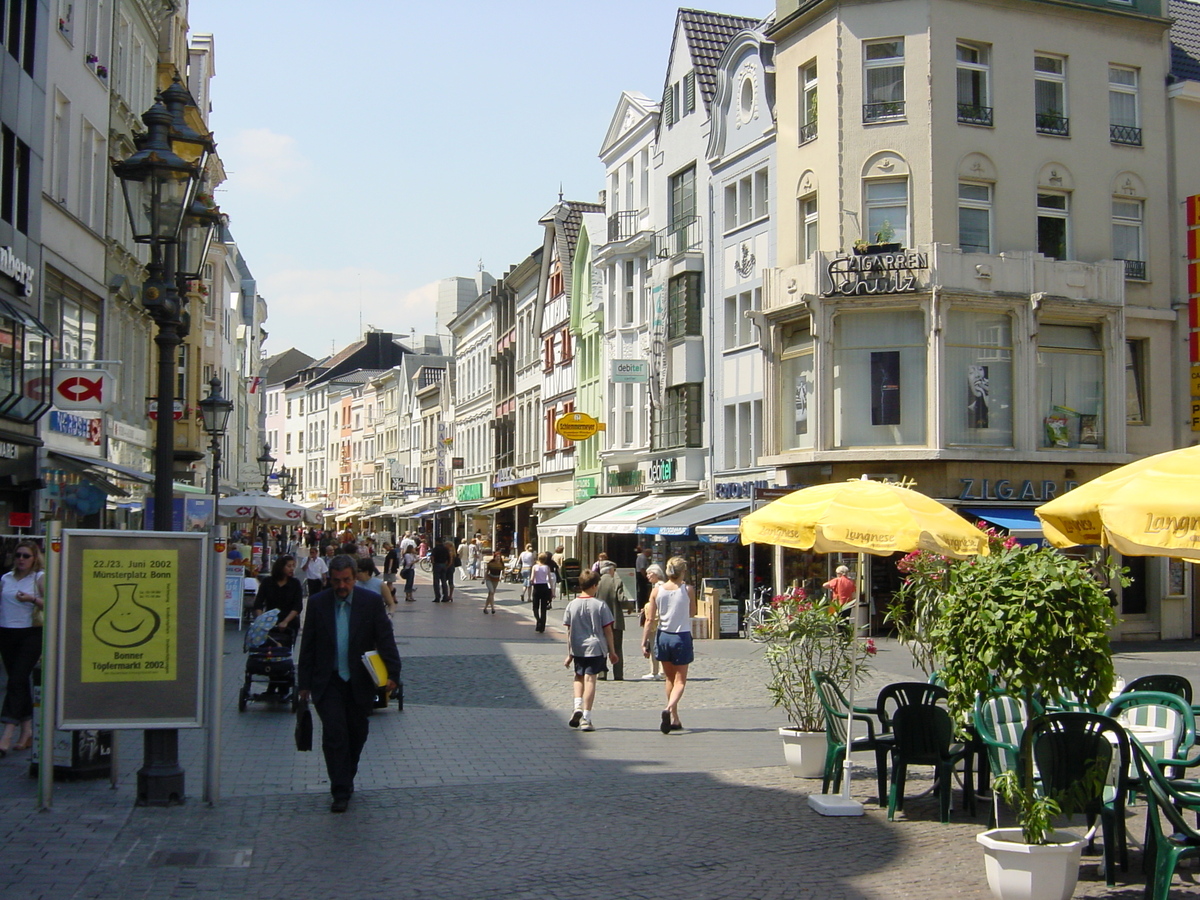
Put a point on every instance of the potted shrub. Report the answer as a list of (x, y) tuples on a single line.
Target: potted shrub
[(883, 241), (1036, 622), (804, 636)]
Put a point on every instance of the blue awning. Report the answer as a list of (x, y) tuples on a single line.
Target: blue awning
[(681, 524), (726, 532), (1019, 521)]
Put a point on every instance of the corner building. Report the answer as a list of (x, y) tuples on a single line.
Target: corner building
[(974, 281)]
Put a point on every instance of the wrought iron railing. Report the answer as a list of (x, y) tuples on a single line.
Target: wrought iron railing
[(1049, 123), (808, 132), (681, 235), (1135, 269), (1125, 134), (879, 112), (623, 225), (969, 114)]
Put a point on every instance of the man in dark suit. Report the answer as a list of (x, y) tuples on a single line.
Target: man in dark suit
[(342, 624)]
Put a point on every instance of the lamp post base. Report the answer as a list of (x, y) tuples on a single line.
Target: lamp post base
[(160, 779)]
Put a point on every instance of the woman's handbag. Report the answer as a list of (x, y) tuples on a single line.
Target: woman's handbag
[(304, 726)]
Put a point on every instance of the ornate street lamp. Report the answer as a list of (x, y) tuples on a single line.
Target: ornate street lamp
[(158, 186), (266, 464), (215, 411), (203, 222)]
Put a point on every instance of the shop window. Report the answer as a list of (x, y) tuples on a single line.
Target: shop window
[(978, 389), (1070, 368), (796, 388), (879, 364)]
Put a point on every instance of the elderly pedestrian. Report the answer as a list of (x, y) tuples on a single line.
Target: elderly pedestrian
[(673, 603), (611, 592), (654, 575)]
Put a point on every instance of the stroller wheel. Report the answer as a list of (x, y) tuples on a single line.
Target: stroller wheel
[(243, 696)]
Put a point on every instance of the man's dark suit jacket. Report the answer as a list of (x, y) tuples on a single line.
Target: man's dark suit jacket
[(370, 629)]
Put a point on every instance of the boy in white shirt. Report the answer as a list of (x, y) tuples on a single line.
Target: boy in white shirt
[(589, 624)]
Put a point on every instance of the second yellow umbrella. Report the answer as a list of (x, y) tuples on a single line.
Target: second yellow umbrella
[(863, 517)]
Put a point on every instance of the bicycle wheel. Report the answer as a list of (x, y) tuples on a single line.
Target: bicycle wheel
[(426, 564), (755, 621)]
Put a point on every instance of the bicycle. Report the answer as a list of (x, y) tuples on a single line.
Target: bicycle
[(426, 563), (758, 616)]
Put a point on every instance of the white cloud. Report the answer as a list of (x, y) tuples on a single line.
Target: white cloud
[(259, 161), (319, 310)]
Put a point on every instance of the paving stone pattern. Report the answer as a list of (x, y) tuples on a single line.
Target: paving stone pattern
[(480, 790)]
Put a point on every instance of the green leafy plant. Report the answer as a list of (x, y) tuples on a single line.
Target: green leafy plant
[(1036, 812), (1027, 619), (805, 636), (886, 233)]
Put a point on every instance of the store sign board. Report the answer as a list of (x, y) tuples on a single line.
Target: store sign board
[(738, 490), (876, 273), (17, 269), (76, 426), (76, 389), (1006, 489), (663, 471), (467, 492), (577, 426), (633, 371), (1196, 381)]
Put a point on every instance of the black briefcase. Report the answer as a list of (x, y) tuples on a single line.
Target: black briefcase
[(304, 726)]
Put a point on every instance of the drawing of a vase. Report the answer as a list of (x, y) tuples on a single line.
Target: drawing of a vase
[(126, 623)]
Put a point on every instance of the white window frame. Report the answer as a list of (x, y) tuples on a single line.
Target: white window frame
[(1049, 76), (903, 236), (896, 61), (1124, 132), (982, 66), (1053, 212), (808, 102), (808, 213), (976, 204), (1124, 219)]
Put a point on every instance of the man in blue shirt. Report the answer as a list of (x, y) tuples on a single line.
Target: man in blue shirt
[(342, 624)]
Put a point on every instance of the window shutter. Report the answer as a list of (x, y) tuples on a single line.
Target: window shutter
[(668, 105), (689, 92)]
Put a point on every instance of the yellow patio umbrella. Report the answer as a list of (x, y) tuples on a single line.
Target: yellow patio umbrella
[(860, 516), (1150, 507), (863, 516)]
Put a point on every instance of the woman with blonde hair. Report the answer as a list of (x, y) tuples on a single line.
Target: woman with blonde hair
[(21, 604), (673, 605)]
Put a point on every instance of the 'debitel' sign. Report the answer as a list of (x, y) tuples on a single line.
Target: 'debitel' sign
[(130, 617)]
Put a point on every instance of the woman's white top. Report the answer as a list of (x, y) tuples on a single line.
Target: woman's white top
[(674, 610), (16, 613), (527, 559)]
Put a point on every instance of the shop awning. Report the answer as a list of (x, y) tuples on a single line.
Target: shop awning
[(92, 461), (1019, 521), (683, 524), (348, 512), (506, 503), (725, 532), (567, 522), (649, 506)]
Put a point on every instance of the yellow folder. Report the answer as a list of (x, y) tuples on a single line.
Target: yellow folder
[(374, 663)]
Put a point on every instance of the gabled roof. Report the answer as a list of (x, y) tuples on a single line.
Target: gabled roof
[(566, 217), (707, 33), (1185, 40), (632, 109)]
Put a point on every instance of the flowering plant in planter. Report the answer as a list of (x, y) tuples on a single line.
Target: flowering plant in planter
[(804, 636), (1028, 619)]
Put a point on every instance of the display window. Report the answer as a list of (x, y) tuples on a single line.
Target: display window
[(879, 366), (977, 392), (1070, 368)]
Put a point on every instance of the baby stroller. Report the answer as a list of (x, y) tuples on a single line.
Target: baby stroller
[(269, 659), (512, 573)]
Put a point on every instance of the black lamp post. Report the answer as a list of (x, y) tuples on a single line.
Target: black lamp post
[(158, 183), (266, 465), (215, 411)]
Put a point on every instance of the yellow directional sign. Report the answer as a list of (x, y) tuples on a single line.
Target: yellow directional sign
[(578, 426), (1196, 379)]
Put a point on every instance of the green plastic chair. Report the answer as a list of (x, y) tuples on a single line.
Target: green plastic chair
[(924, 736), (1164, 848), (1165, 683), (834, 703), (1065, 746), (1160, 710), (1000, 722)]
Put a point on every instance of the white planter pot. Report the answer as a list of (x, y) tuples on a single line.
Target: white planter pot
[(1020, 871), (804, 751)]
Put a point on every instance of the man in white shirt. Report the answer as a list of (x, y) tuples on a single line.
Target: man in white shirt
[(407, 543), (314, 571)]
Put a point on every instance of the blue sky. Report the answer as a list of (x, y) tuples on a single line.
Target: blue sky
[(372, 149)]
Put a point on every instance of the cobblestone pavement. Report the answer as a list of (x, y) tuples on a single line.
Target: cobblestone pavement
[(479, 790)]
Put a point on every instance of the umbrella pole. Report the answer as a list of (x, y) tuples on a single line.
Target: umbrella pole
[(842, 804)]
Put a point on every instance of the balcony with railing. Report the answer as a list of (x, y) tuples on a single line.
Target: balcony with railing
[(1125, 134), (883, 111), (808, 132), (680, 236), (1051, 123), (1135, 269), (970, 114), (624, 225)]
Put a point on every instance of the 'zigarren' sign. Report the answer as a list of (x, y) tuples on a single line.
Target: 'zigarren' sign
[(877, 273)]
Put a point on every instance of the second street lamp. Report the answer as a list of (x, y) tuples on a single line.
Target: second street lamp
[(215, 411), (266, 464)]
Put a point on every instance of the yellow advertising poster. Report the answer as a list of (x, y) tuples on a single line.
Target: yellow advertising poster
[(130, 615)]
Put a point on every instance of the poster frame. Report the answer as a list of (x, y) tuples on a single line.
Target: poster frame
[(131, 703)]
